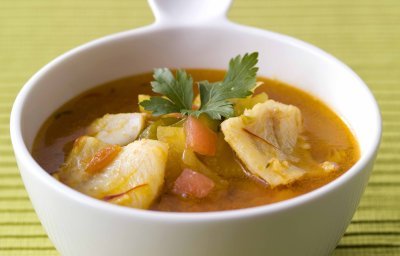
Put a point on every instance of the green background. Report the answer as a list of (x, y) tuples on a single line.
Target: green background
[(365, 34)]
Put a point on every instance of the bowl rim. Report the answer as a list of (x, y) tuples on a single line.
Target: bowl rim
[(24, 156)]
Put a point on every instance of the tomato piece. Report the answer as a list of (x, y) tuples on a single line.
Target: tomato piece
[(199, 137), (102, 158), (193, 184)]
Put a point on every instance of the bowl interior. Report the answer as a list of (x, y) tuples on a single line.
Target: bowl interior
[(139, 51)]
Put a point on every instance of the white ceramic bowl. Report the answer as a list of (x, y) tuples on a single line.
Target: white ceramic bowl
[(195, 34)]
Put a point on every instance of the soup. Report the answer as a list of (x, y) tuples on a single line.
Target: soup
[(273, 145)]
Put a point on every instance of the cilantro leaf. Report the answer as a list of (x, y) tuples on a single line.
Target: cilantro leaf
[(160, 106), (238, 82), (178, 91), (215, 109)]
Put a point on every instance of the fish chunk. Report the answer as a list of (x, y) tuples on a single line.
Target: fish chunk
[(120, 129), (132, 177), (264, 138), (277, 123)]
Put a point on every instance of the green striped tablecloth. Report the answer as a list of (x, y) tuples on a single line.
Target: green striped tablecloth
[(363, 33)]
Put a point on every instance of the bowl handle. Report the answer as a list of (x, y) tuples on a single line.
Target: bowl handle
[(189, 12)]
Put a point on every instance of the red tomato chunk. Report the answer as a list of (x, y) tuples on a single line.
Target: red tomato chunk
[(199, 137), (193, 184)]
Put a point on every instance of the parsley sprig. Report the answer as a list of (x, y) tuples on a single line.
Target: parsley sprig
[(178, 92)]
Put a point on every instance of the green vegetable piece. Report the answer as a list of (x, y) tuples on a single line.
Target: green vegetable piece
[(151, 131), (175, 138), (239, 105), (191, 161), (224, 163), (209, 122)]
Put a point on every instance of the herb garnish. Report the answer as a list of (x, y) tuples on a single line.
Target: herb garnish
[(178, 92)]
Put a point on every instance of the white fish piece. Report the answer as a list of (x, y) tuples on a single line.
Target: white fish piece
[(277, 123), (133, 177), (263, 139), (120, 129)]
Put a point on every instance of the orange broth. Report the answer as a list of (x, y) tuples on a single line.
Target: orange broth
[(328, 135)]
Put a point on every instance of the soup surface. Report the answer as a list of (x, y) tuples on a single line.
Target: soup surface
[(329, 149)]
